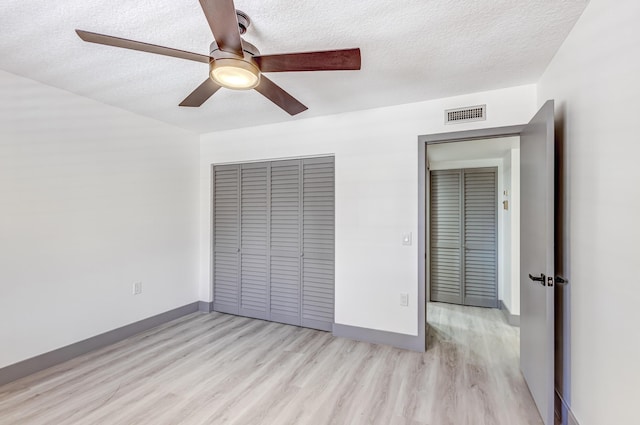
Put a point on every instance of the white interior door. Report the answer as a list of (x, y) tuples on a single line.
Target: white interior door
[(537, 259)]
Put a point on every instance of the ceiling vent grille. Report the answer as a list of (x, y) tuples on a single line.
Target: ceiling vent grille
[(467, 114)]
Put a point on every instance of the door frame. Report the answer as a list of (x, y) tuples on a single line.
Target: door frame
[(424, 283)]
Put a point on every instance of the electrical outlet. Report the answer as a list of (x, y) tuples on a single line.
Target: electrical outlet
[(404, 299), (137, 288)]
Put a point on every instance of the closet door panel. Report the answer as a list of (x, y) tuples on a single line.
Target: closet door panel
[(446, 236), (318, 243), (480, 237), (226, 225), (285, 247), (254, 235)]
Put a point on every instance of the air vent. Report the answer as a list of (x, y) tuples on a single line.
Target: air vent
[(468, 114)]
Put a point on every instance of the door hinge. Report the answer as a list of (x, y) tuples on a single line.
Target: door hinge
[(549, 281)]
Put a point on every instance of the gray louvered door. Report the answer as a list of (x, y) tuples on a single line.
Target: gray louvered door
[(273, 225), (254, 237), (226, 240), (286, 192), (464, 259), (318, 243), (480, 237), (446, 236)]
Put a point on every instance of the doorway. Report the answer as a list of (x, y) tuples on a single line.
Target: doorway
[(537, 186), (472, 204)]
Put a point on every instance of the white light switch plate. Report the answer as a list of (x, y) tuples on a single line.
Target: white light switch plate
[(404, 299), (406, 239)]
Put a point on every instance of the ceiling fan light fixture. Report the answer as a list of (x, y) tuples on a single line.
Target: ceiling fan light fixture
[(235, 74)]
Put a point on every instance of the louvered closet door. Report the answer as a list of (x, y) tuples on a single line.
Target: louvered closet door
[(480, 237), (285, 247), (274, 241), (318, 245), (254, 237), (226, 240), (446, 236)]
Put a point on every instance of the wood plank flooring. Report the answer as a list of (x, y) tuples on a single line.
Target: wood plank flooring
[(222, 369)]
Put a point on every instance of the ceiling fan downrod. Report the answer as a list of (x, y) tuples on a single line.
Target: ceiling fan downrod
[(243, 21)]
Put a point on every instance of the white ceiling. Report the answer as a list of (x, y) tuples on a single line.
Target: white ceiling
[(412, 50)]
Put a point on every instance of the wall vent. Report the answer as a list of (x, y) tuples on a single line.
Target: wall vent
[(467, 114)]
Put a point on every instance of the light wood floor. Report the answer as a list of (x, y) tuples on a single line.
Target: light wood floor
[(221, 369)]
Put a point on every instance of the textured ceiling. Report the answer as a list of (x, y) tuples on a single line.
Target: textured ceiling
[(411, 51)]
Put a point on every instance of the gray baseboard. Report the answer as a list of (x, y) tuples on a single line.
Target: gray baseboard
[(43, 361), (205, 306), (512, 319), (564, 414), (407, 342)]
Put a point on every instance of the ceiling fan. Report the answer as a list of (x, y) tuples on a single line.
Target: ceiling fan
[(237, 64)]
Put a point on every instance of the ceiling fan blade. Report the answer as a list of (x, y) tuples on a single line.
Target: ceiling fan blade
[(330, 60), (222, 18), (108, 40), (201, 94), (277, 95)]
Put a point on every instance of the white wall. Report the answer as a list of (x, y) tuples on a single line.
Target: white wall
[(506, 295), (92, 199), (512, 230), (594, 80), (512, 220), (376, 155)]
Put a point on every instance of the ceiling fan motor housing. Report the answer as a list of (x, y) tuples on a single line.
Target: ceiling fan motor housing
[(248, 49), (244, 65)]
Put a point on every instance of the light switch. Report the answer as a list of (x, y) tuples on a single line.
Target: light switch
[(406, 239), (404, 299)]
